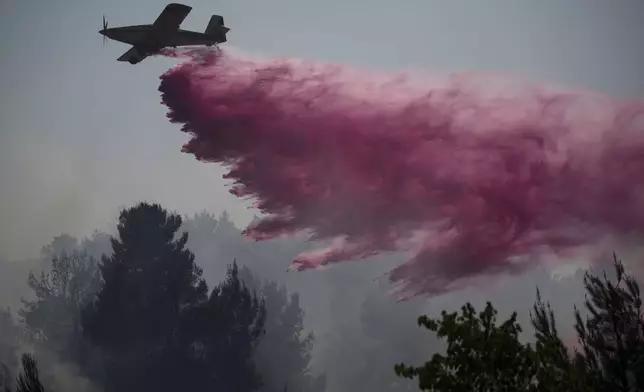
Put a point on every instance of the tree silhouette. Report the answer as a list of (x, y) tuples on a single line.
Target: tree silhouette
[(227, 328), (485, 357), (154, 321), (480, 356), (28, 380), (612, 337), (149, 282), (558, 370)]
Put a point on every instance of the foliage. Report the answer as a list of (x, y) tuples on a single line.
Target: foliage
[(154, 321), (558, 371), (214, 240), (28, 380), (482, 356), (612, 338), (53, 318), (149, 281), (227, 328)]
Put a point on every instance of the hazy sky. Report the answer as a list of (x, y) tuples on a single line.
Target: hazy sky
[(82, 134)]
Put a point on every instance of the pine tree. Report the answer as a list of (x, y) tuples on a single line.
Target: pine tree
[(228, 328), (28, 380), (557, 370), (485, 357), (612, 337), (149, 282)]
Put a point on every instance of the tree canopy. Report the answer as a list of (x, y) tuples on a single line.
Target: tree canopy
[(134, 312), (154, 320), (483, 355)]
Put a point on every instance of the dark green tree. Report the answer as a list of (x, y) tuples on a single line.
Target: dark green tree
[(149, 282), (283, 355), (490, 358), (28, 380), (612, 337), (227, 328), (558, 370), (481, 355)]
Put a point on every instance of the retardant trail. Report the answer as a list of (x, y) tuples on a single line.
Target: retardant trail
[(470, 175)]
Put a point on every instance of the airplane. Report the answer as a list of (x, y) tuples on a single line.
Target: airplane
[(149, 39)]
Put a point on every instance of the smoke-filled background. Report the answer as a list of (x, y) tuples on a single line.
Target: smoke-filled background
[(83, 135)]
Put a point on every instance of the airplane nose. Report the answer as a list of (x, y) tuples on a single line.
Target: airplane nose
[(102, 32)]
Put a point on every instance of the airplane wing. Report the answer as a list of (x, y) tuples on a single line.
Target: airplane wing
[(132, 56), (171, 17)]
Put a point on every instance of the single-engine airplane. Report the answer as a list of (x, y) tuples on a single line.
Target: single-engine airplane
[(164, 32)]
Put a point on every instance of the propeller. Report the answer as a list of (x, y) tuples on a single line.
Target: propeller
[(104, 28)]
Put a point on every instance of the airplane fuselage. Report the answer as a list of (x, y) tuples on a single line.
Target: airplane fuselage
[(149, 39), (144, 37)]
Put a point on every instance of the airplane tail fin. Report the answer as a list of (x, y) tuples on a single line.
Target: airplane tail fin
[(216, 28)]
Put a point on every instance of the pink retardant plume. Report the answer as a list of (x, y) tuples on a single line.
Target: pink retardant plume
[(468, 175)]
